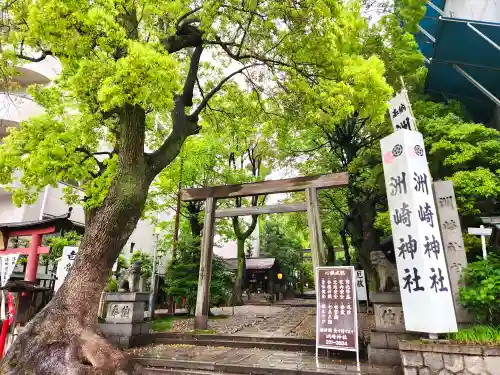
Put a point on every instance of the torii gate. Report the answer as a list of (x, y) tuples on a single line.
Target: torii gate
[(309, 185), (36, 230)]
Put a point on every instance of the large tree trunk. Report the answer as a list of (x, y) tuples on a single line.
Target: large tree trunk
[(369, 242), (241, 237), (240, 274), (330, 249), (64, 337)]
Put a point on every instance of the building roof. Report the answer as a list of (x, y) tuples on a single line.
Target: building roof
[(252, 263), (35, 224)]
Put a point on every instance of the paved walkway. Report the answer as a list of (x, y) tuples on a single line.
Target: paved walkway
[(219, 358), (280, 324)]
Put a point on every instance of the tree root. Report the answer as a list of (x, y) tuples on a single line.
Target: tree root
[(65, 350)]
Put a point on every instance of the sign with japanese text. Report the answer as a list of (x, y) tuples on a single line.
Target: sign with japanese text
[(361, 286), (400, 112), (8, 263), (336, 314), (451, 233), (423, 275), (64, 265)]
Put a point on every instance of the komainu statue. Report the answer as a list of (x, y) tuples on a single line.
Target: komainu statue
[(385, 271), (129, 279)]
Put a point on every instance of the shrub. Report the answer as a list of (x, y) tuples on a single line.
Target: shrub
[(480, 293), (112, 285), (182, 276)]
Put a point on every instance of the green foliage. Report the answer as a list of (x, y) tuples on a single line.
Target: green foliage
[(163, 324), (146, 263), (182, 276), (122, 263), (481, 289), (279, 243), (383, 223), (117, 55), (477, 335), (411, 12), (111, 285)]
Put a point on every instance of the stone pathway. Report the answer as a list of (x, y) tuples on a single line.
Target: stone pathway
[(244, 317), (259, 358), (280, 324)]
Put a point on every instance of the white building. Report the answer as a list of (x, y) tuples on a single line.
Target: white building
[(18, 106)]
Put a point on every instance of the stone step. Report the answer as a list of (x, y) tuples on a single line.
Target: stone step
[(156, 337), (285, 346), (173, 371), (166, 366)]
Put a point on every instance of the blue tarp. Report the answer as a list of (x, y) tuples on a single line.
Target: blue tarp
[(458, 44)]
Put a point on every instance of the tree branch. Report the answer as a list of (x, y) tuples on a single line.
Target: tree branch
[(93, 155), (178, 25), (34, 59), (187, 93), (217, 88)]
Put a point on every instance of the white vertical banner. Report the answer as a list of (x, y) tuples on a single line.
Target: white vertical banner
[(361, 286), (7, 263), (423, 276), (401, 113), (64, 265)]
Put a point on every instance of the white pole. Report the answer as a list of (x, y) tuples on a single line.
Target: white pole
[(44, 202), (483, 243)]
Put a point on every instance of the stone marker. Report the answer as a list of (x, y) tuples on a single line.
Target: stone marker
[(453, 242), (125, 325), (389, 328)]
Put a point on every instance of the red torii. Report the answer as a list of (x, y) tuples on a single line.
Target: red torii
[(35, 229)]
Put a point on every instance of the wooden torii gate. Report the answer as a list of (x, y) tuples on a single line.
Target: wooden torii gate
[(309, 185)]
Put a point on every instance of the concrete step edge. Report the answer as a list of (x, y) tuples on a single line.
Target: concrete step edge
[(244, 369), (242, 344), (275, 339)]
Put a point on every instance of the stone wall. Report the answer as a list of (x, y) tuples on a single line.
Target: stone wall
[(429, 358)]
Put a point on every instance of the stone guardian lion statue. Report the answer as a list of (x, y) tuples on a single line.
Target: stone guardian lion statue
[(385, 271), (129, 279)]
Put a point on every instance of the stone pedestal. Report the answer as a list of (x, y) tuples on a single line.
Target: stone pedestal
[(125, 324), (389, 329)]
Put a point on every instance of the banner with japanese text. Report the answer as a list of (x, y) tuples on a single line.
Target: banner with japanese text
[(401, 113), (423, 276), (64, 265), (361, 286)]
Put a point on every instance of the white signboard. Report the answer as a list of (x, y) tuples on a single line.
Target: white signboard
[(423, 276), (361, 286), (64, 265), (8, 264), (454, 248), (480, 231), (400, 112)]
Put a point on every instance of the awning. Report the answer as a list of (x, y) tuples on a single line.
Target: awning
[(463, 58)]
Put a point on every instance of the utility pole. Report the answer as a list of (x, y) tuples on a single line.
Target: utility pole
[(175, 239)]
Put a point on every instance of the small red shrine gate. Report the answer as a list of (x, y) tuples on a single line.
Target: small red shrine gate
[(36, 230)]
